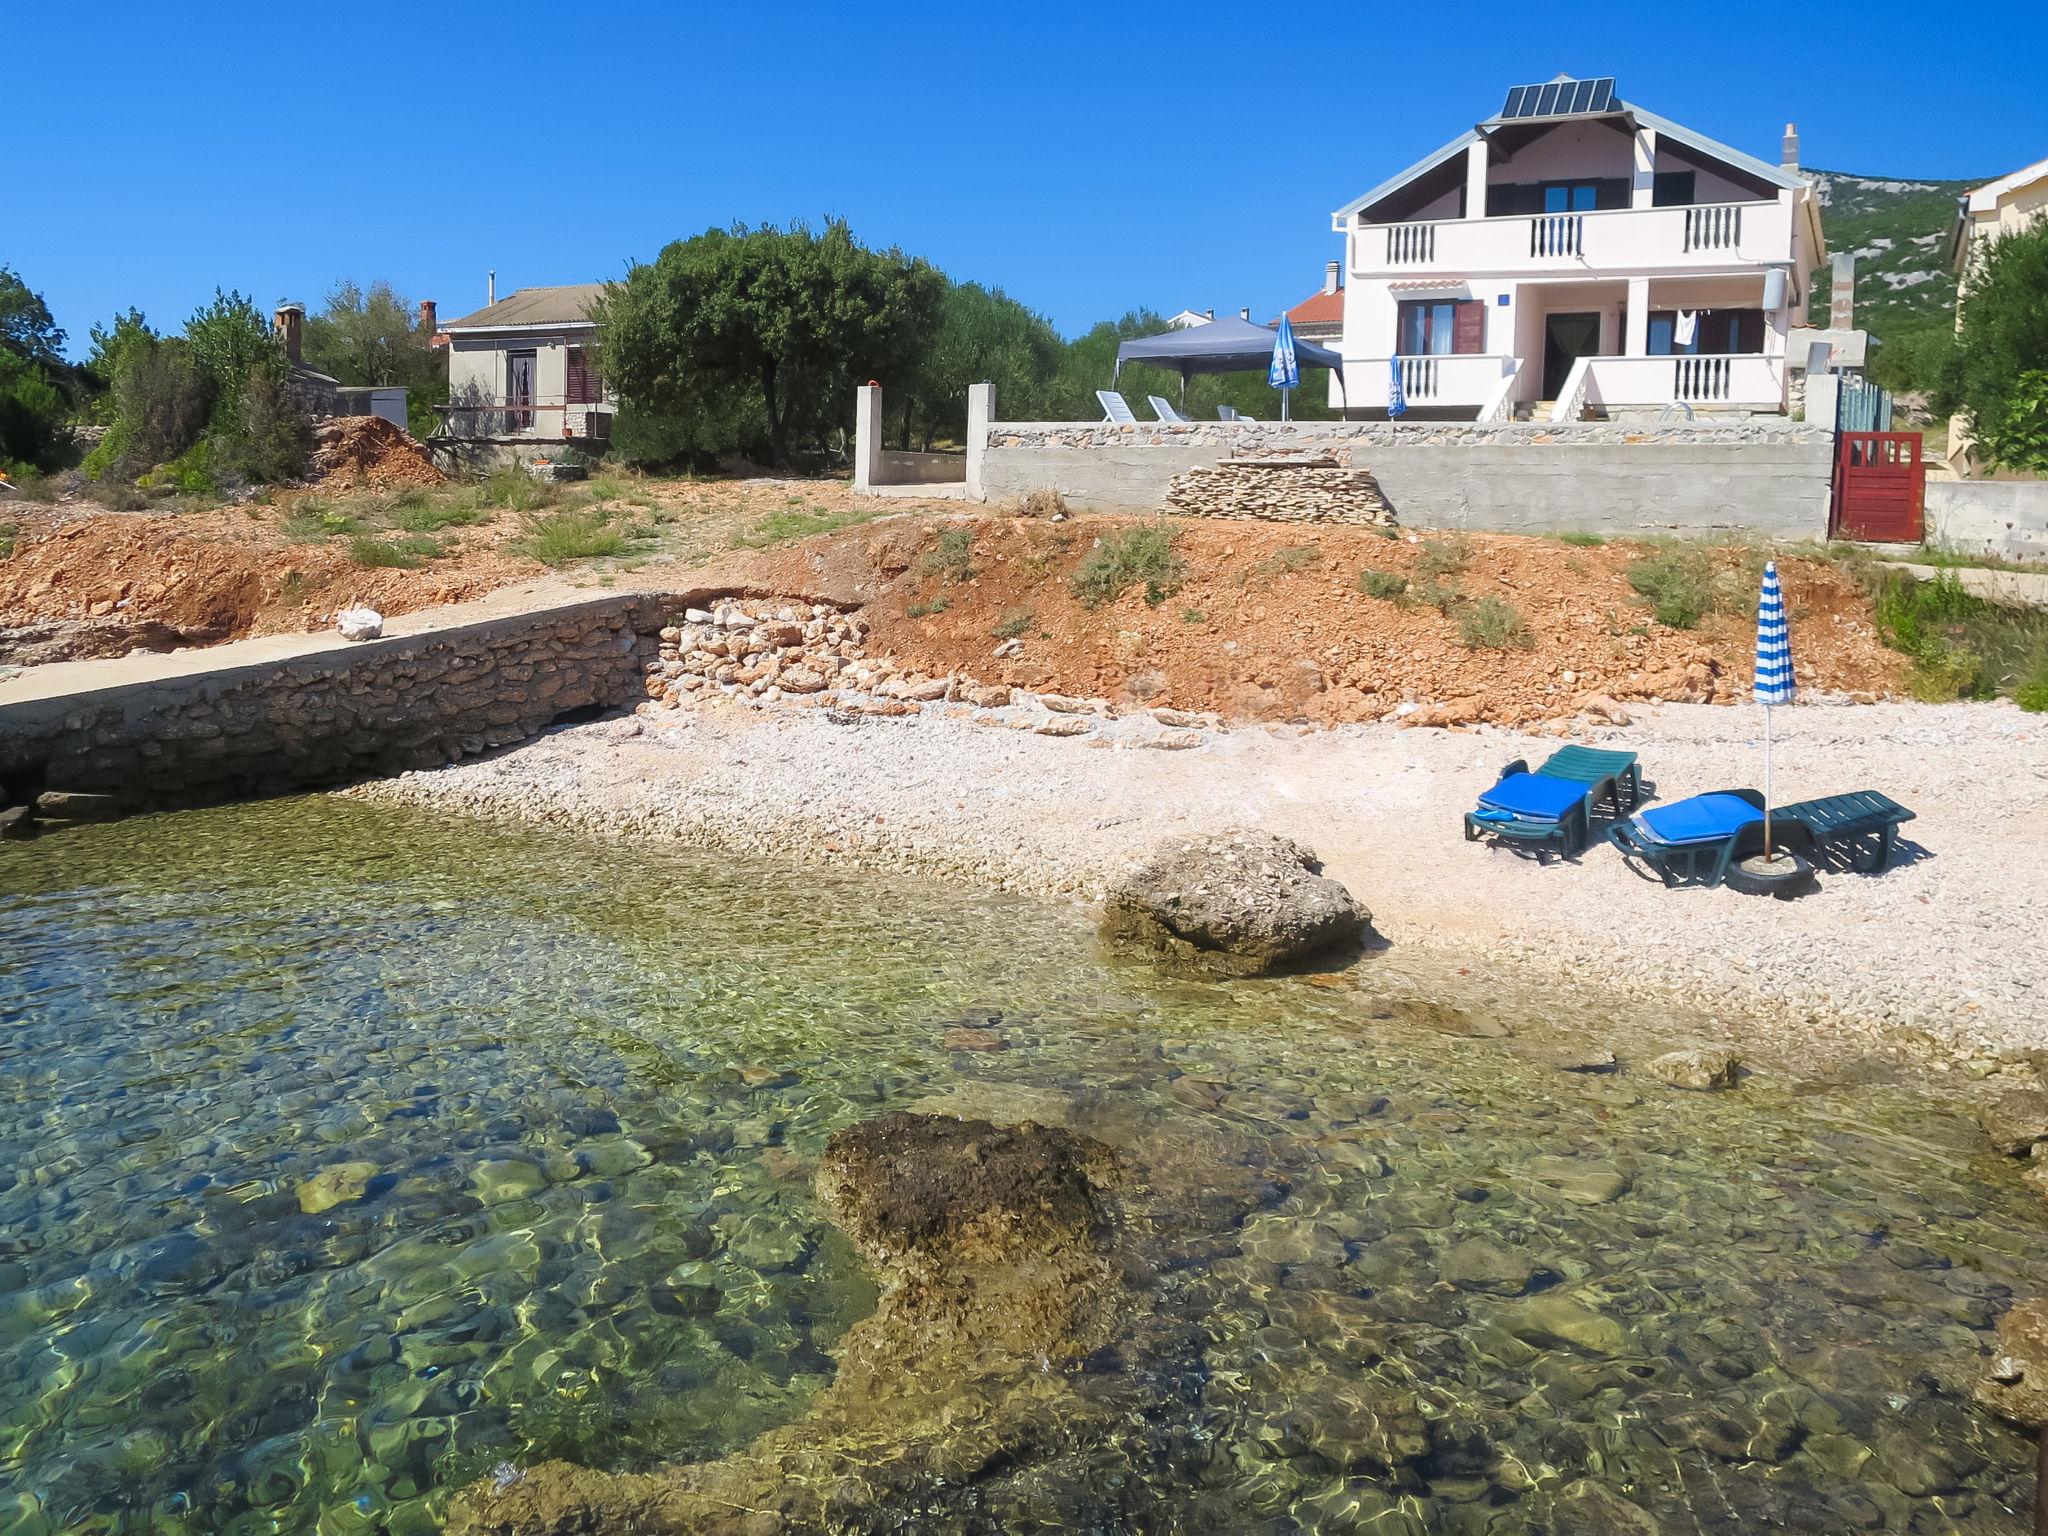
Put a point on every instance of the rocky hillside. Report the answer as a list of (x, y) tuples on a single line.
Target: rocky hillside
[(1899, 232)]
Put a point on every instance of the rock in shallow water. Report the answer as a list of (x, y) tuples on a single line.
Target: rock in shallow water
[(1232, 904), (1703, 1069), (2015, 1121), (2015, 1384), (336, 1185)]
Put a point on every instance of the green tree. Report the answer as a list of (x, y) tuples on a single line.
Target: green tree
[(796, 317), (27, 329), (983, 336), (2002, 337), (1090, 361), (228, 338), (37, 386), (371, 336)]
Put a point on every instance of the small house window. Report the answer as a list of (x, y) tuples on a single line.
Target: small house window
[(586, 386), (1441, 327)]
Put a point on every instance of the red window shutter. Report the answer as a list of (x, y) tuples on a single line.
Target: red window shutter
[(1468, 326), (585, 386)]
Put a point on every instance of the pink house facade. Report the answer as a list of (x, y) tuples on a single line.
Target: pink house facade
[(1577, 256)]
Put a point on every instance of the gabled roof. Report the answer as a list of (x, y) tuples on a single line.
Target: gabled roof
[(1987, 197), (1764, 171), (568, 304), (1318, 308)]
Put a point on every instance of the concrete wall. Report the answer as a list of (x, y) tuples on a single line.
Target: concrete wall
[(1513, 478), (341, 713), (876, 465), (2004, 519)]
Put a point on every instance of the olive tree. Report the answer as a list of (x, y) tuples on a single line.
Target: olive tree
[(794, 318)]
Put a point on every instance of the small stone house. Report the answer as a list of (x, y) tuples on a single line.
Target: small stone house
[(524, 369)]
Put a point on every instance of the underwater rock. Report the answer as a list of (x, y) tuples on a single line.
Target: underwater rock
[(2015, 1384), (1589, 1059), (1000, 1251), (1582, 1181), (1481, 1264), (1553, 1318), (1702, 1069), (962, 1037), (335, 1185), (2015, 1121), (507, 1178), (1587, 1508), (1232, 904)]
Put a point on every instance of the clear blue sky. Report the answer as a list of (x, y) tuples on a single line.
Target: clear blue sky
[(1087, 158)]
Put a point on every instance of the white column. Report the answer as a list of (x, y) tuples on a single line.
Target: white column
[(981, 410), (1637, 340), (1475, 179), (867, 437), (1642, 190)]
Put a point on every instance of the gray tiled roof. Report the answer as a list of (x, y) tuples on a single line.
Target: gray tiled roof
[(568, 304)]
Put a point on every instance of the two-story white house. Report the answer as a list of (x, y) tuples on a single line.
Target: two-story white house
[(1575, 254)]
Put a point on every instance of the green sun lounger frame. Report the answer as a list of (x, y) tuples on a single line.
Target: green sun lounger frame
[(1863, 824), (1610, 776)]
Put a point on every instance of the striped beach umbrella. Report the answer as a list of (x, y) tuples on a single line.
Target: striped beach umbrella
[(1773, 671), (1284, 372)]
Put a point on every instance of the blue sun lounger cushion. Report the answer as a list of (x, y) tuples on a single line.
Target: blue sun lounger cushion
[(1701, 819), (1534, 796)]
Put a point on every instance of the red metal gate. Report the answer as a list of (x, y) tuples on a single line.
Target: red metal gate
[(1880, 488)]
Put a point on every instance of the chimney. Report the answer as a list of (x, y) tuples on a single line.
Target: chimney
[(1245, 313), (429, 320), (1842, 293), (288, 325), (1332, 271), (1210, 313), (491, 287), (1788, 156)]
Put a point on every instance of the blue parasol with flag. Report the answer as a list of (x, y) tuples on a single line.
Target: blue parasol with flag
[(1397, 397), (1284, 373), (1773, 672)]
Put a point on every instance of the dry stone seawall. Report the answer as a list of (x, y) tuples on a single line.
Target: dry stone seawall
[(341, 713)]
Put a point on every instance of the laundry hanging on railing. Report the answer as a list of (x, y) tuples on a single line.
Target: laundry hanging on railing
[(1685, 327)]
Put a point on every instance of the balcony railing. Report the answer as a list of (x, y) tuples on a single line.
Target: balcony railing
[(1436, 379), (1619, 239), (1739, 380)]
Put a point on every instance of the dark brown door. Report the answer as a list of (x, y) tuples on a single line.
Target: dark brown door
[(1566, 339)]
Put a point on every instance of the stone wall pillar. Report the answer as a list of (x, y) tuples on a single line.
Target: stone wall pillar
[(867, 438), (1642, 187), (981, 410), (1636, 337), (1476, 161)]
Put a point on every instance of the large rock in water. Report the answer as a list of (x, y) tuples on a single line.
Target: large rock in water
[(1232, 904), (2015, 1384)]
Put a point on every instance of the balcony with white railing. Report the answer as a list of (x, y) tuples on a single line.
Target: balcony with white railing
[(1462, 380), (1701, 236), (1715, 381)]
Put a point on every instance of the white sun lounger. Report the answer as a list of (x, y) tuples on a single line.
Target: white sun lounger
[(1163, 409), (1116, 408)]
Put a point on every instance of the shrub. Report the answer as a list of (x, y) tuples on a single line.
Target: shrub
[(1961, 645), (1444, 557), (30, 482), (417, 512), (514, 490), (799, 523), (313, 519), (1385, 585), (191, 473), (32, 413), (926, 610), (1193, 616), (1016, 622), (573, 533), (1125, 559), (1043, 502), (267, 438), (1443, 596), (1493, 624), (949, 557), (607, 488), (1582, 540), (9, 532), (1677, 583), (2017, 438), (162, 401), (394, 554)]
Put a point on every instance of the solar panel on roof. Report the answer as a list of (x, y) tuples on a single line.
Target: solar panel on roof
[(1561, 98)]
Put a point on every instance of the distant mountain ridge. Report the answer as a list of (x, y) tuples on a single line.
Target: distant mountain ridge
[(1899, 233)]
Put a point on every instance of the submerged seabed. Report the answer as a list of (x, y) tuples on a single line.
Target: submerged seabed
[(348, 1152)]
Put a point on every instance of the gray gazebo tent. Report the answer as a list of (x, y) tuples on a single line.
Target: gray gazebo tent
[(1221, 346)]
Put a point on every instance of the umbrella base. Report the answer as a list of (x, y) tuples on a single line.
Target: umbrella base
[(1783, 875)]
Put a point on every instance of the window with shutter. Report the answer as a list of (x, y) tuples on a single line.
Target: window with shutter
[(1468, 328), (585, 385)]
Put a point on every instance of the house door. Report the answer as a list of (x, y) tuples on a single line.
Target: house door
[(1566, 339), (519, 369)]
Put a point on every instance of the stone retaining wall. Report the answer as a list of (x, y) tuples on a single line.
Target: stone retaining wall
[(1764, 477), (337, 714)]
